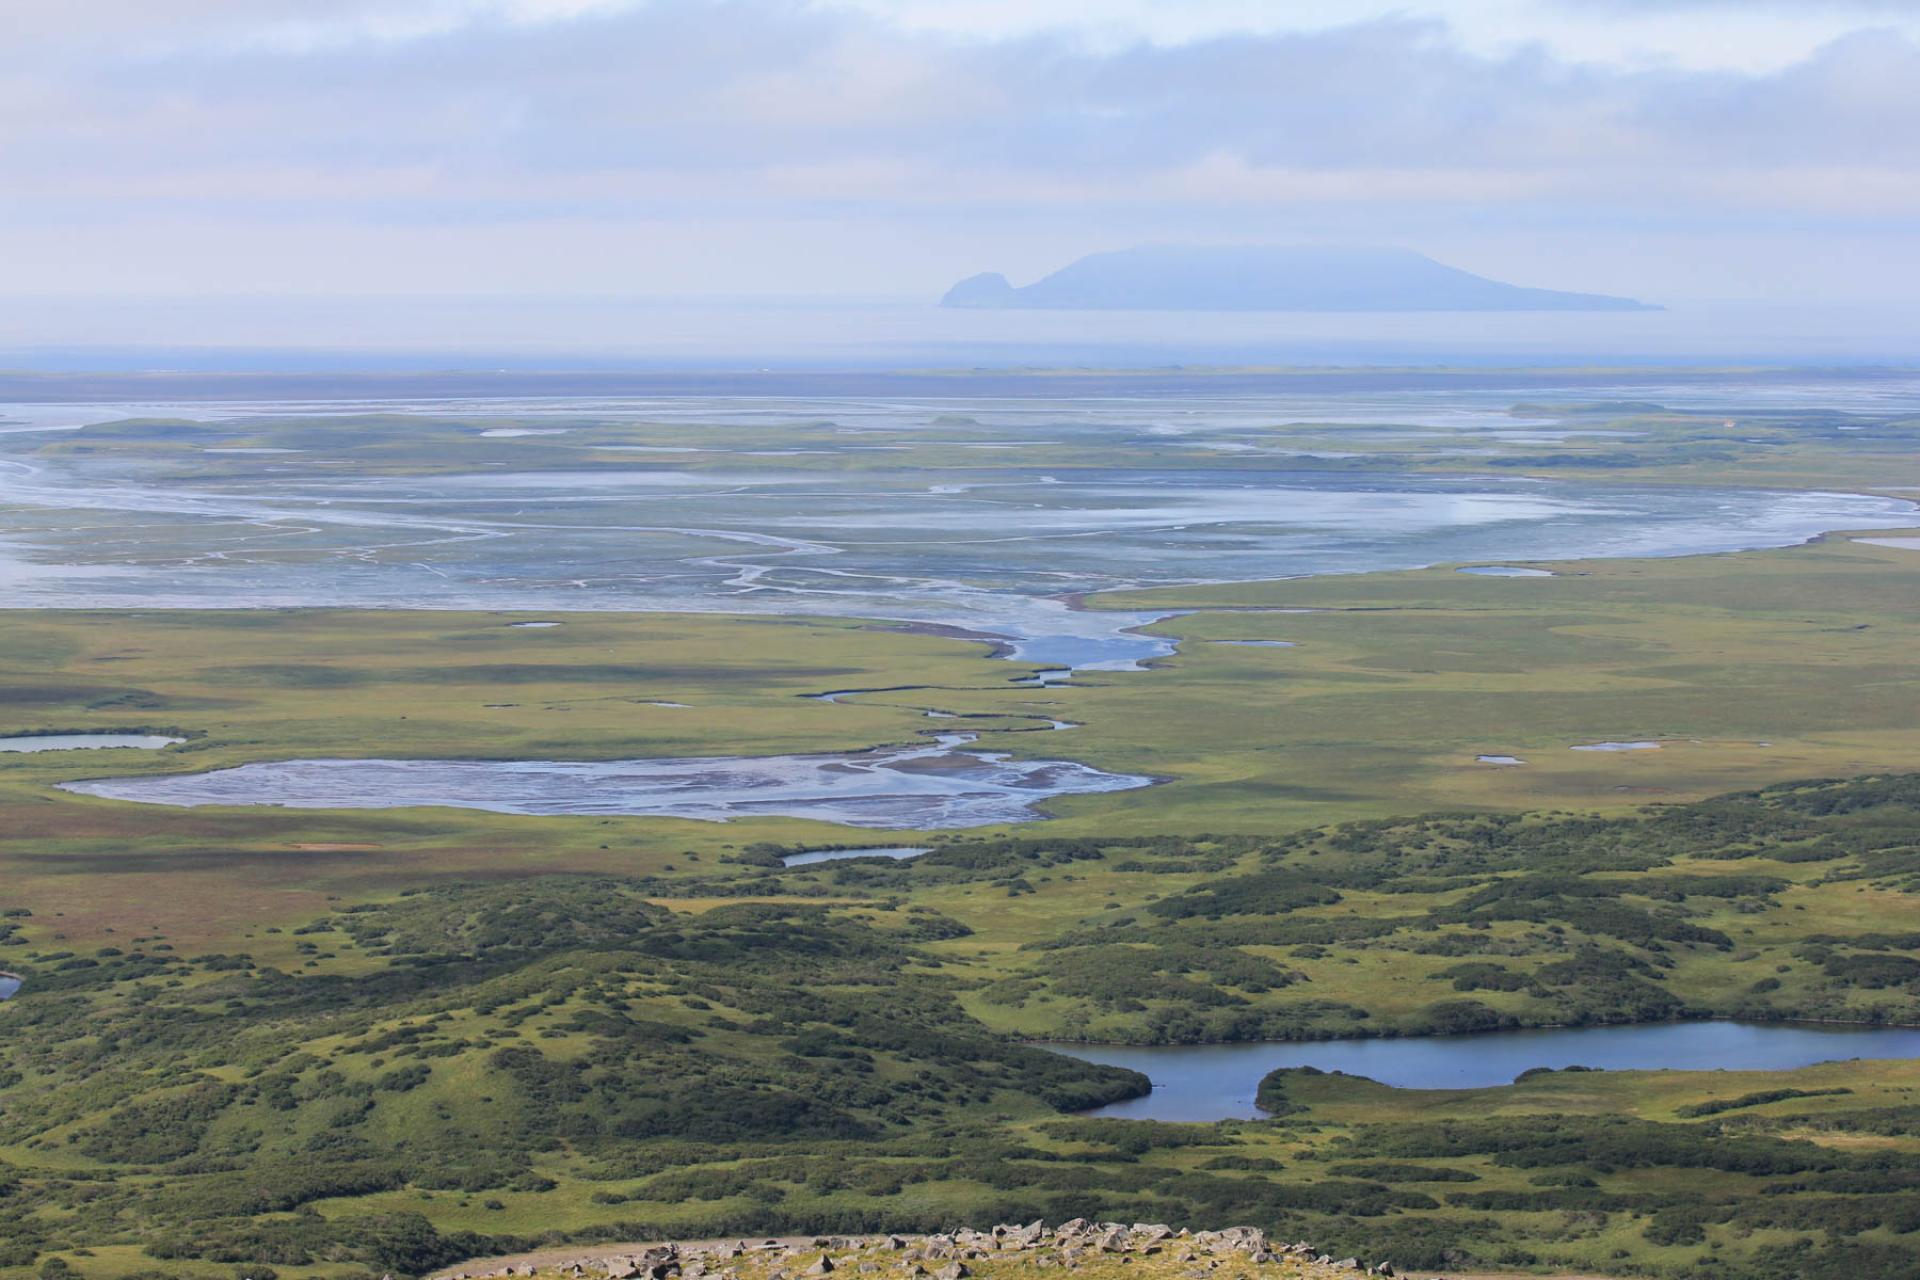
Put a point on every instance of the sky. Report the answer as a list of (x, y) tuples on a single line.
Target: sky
[(354, 149)]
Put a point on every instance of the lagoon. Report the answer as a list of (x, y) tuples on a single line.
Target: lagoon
[(1218, 1081), (930, 786)]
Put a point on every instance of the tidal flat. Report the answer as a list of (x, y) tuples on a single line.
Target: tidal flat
[(991, 515)]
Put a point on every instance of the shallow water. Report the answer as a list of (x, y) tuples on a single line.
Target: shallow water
[(87, 742), (1003, 545), (1218, 1081), (1501, 760), (934, 786), (838, 855), (8, 986), (1616, 746), (1504, 571)]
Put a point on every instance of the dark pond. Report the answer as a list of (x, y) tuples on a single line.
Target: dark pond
[(1217, 1081)]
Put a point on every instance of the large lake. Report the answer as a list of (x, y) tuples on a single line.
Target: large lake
[(1218, 1081)]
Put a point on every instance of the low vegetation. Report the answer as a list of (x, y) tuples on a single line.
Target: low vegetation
[(479, 1067)]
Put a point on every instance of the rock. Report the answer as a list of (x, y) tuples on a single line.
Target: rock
[(952, 1271), (822, 1266), (1348, 1264)]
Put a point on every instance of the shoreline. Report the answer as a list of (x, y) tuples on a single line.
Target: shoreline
[(1084, 601), (1837, 1023)]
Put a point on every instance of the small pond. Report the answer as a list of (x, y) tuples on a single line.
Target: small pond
[(1218, 1081), (8, 985), (1616, 746), (87, 741), (924, 787), (1504, 571), (835, 855)]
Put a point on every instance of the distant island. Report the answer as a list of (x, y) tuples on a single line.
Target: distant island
[(1270, 278)]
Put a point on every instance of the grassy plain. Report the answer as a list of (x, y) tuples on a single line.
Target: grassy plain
[(279, 685), (1751, 668)]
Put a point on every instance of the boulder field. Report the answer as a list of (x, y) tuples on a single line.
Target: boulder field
[(1092, 1250)]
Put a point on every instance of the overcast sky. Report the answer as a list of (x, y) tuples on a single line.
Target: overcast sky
[(1663, 148)]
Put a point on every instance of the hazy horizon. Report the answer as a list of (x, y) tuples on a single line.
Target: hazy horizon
[(345, 334), (443, 164)]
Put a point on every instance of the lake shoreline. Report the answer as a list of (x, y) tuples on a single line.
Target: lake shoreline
[(1471, 1035), (1205, 1084)]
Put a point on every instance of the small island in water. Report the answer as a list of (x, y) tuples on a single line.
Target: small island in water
[(1268, 278)]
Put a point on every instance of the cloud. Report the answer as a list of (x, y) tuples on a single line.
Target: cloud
[(439, 113)]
